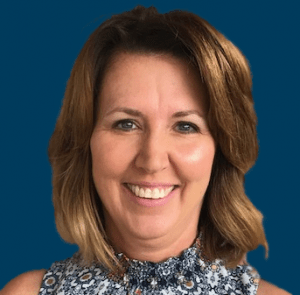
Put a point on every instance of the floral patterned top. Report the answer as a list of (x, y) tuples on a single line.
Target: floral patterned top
[(188, 273)]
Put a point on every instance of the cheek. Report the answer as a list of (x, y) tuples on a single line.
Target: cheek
[(194, 161), (109, 157)]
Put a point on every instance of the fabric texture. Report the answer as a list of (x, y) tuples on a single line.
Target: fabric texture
[(188, 273)]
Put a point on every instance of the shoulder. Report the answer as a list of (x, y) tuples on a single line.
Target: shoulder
[(265, 288), (28, 283)]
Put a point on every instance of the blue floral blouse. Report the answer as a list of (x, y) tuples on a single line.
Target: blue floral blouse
[(188, 273)]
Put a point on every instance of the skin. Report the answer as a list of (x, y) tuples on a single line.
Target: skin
[(156, 148), (154, 151)]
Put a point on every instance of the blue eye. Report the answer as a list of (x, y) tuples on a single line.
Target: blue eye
[(188, 127), (124, 125), (127, 126)]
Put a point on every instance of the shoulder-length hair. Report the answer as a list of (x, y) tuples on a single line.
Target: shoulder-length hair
[(230, 223)]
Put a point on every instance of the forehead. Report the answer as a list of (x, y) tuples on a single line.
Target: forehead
[(151, 81)]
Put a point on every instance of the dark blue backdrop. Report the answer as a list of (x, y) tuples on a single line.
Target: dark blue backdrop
[(40, 41)]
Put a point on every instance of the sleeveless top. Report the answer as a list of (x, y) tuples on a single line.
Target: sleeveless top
[(188, 273)]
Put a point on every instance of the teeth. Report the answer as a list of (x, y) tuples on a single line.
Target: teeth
[(156, 194), (142, 193), (148, 193), (136, 190)]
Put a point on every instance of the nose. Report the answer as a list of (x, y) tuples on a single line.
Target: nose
[(153, 154)]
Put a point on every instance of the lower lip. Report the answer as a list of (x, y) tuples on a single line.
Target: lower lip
[(148, 202)]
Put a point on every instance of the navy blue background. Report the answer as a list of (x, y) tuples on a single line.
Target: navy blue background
[(40, 41)]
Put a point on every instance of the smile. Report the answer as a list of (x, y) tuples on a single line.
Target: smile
[(148, 193)]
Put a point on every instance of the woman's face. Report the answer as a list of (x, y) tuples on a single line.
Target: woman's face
[(152, 133)]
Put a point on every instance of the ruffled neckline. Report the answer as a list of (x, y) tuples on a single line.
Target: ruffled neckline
[(188, 273), (186, 256)]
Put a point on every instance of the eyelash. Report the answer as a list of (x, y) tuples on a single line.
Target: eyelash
[(195, 127)]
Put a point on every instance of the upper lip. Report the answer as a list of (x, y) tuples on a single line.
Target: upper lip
[(152, 184)]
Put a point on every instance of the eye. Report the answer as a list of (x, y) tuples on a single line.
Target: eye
[(188, 127), (184, 127), (125, 125)]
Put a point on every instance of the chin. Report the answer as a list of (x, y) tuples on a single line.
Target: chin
[(154, 228)]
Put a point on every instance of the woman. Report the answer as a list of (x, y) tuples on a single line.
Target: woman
[(156, 133)]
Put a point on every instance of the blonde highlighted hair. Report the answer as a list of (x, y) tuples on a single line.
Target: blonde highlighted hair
[(230, 223)]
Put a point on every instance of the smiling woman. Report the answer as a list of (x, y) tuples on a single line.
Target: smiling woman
[(130, 162), (149, 153)]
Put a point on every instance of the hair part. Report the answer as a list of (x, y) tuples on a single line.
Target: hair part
[(230, 223)]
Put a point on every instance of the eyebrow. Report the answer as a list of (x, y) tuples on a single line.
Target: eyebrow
[(137, 113)]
